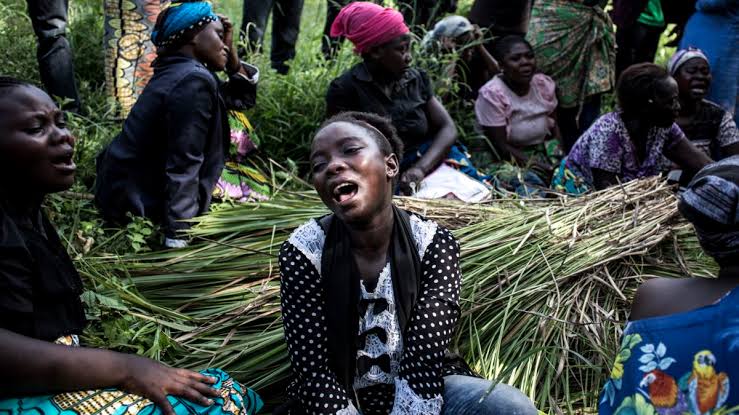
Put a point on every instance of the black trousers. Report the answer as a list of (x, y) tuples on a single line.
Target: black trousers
[(636, 44), (571, 127), (285, 28), (425, 12), (415, 12), (328, 44), (54, 54)]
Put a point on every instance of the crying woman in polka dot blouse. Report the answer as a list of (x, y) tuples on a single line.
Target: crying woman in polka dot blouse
[(395, 373)]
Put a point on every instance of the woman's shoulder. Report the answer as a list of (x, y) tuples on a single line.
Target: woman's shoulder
[(427, 232), (495, 92), (667, 297), (607, 125), (308, 239)]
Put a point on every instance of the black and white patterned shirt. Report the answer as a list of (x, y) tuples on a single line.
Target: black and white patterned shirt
[(414, 382)]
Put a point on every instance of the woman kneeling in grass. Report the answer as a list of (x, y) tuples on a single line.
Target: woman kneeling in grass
[(679, 348), (640, 139), (40, 309), (165, 163), (370, 293)]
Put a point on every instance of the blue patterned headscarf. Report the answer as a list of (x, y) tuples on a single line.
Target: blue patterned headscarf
[(180, 20), (711, 204)]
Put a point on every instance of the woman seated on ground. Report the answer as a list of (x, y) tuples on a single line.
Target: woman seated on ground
[(385, 84), (473, 65), (40, 309), (708, 126), (370, 293), (678, 352), (166, 161), (516, 111), (639, 140)]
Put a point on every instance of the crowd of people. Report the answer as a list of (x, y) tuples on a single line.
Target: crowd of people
[(536, 74)]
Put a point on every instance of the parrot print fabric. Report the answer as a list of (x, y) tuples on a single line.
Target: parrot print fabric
[(681, 364)]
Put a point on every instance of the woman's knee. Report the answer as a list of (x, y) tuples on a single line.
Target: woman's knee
[(469, 395)]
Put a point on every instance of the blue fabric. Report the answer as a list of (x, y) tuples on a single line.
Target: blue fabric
[(463, 396), (235, 399), (714, 28), (180, 18), (678, 364), (457, 158)]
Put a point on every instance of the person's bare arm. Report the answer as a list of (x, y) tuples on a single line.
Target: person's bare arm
[(35, 367), (490, 63), (687, 156), (446, 135)]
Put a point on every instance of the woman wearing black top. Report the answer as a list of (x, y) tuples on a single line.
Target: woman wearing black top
[(384, 83), (167, 160), (370, 294), (40, 292)]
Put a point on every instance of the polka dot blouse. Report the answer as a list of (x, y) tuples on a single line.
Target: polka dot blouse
[(405, 374)]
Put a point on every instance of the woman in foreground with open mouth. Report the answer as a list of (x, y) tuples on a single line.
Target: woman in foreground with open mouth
[(370, 293)]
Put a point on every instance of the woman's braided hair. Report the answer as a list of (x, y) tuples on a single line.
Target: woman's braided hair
[(638, 84), (387, 140)]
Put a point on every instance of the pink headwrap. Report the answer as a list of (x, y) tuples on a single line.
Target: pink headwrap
[(367, 24)]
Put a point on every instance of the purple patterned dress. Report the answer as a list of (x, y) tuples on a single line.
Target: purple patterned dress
[(606, 146)]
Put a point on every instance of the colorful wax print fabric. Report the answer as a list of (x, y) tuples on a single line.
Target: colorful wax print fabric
[(681, 364), (575, 45), (606, 146), (234, 399), (129, 51)]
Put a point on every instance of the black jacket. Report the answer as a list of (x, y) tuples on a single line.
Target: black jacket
[(39, 286), (167, 160)]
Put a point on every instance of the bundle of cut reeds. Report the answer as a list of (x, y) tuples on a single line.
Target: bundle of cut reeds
[(546, 287)]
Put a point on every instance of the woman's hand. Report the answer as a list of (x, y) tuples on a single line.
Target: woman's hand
[(154, 381), (410, 181), (233, 64)]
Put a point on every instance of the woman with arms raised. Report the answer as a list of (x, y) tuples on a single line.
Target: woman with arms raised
[(638, 140), (370, 293), (679, 347), (40, 293), (384, 83), (170, 154)]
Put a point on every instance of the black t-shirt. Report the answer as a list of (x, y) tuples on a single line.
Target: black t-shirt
[(39, 286), (405, 106)]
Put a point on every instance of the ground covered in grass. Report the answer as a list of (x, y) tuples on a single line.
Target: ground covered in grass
[(288, 110)]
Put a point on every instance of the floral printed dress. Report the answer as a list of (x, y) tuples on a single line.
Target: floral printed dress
[(606, 146), (679, 364)]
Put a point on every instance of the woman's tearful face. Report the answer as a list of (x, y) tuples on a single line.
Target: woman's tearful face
[(36, 145), (350, 172)]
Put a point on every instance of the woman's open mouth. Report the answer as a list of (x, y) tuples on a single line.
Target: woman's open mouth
[(64, 163), (699, 88), (344, 192)]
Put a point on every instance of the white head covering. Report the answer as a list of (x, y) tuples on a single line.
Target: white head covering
[(450, 26), (680, 57)]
